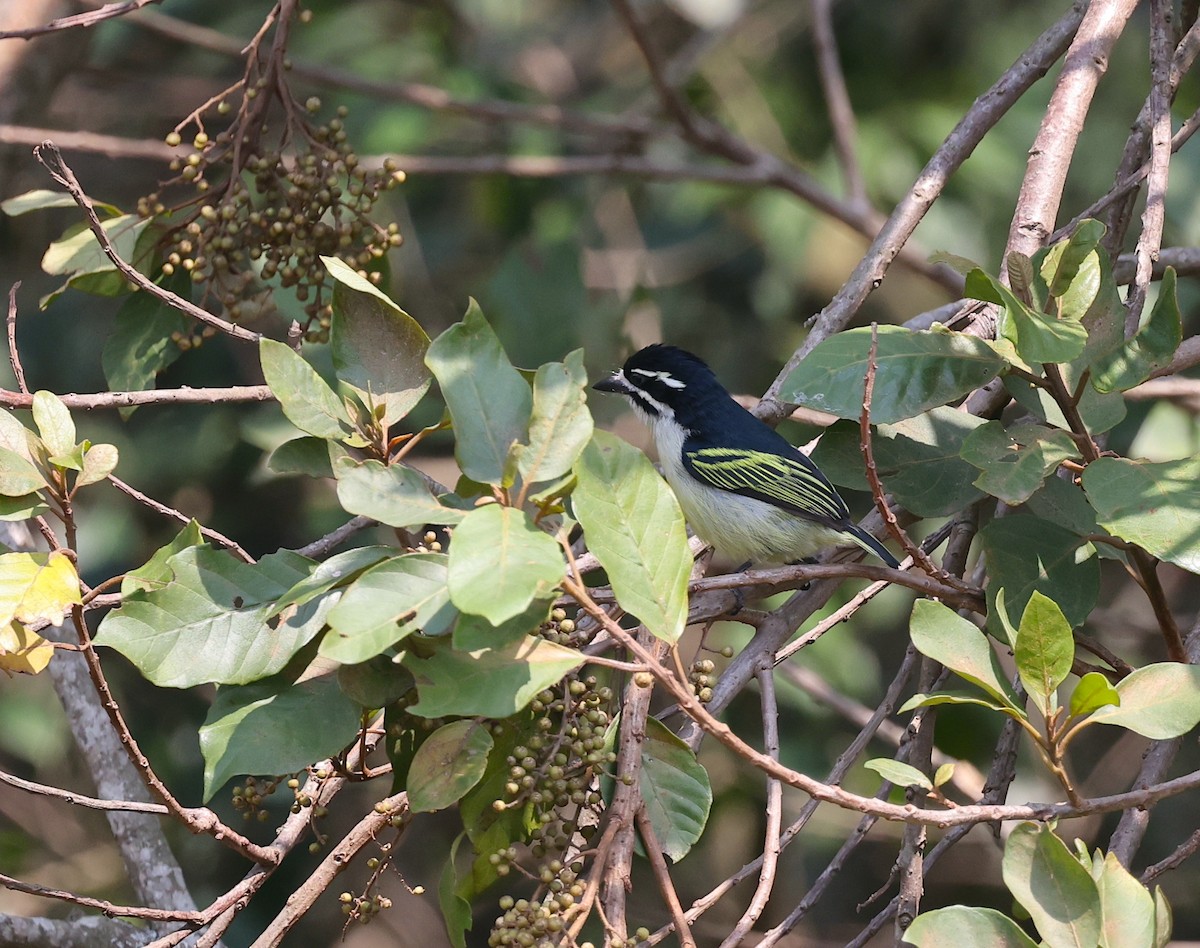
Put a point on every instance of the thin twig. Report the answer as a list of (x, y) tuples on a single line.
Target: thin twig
[(159, 507), (14, 357), (108, 908), (167, 396), (1155, 211), (837, 101), (78, 799), (1185, 850), (774, 814), (78, 20), (662, 875)]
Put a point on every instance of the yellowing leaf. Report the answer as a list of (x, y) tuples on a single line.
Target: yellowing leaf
[(37, 586), (23, 651)]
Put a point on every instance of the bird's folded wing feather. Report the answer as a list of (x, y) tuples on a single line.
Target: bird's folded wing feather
[(785, 482)]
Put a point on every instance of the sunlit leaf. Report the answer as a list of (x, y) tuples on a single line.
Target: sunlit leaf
[(916, 371), (448, 764), (560, 425), (394, 494), (964, 925), (1158, 701), (675, 789), (634, 527), (943, 635), (1015, 461), (1044, 650), (898, 773), (1051, 885), (22, 651), (307, 401), (37, 587)]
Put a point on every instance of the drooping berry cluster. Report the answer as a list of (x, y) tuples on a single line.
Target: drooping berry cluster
[(272, 193)]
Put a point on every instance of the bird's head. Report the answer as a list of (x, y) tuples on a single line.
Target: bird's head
[(664, 382)]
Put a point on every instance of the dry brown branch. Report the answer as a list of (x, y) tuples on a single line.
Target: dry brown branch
[(79, 20), (14, 357), (78, 799), (837, 101), (662, 876), (168, 396)]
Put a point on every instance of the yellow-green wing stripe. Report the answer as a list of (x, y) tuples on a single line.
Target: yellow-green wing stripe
[(784, 480)]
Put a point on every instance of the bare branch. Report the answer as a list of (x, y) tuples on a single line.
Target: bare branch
[(837, 101), (79, 20)]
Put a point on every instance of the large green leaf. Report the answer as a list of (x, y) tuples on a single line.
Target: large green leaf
[(1015, 461), (394, 494), (1051, 885), (1156, 506), (307, 401), (494, 682), (141, 344), (274, 727), (387, 603), (560, 425), (943, 635), (1152, 346), (489, 401), (474, 631), (1072, 262), (18, 476), (155, 573), (338, 570), (78, 253), (917, 460), (675, 788), (304, 455), (1038, 337), (1126, 908), (448, 764), (54, 423), (1044, 650), (1158, 701), (1025, 553), (208, 621), (378, 349), (500, 563), (916, 371), (634, 527), (966, 926)]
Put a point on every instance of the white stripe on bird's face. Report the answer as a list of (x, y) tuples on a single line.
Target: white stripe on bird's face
[(665, 377)]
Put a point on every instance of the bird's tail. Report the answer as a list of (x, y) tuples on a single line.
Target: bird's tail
[(871, 545)]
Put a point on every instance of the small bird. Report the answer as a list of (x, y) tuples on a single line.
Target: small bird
[(741, 485)]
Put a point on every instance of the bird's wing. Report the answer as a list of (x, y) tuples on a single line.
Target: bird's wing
[(794, 484)]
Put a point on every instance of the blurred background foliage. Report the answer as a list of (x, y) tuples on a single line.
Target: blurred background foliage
[(604, 261)]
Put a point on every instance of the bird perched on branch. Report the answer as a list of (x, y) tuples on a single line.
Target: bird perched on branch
[(741, 485)]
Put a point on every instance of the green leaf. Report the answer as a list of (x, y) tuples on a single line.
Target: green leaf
[(54, 423), (634, 527), (375, 683), (494, 682), (1163, 920), (1064, 504), (935, 698), (474, 631), (18, 477), (37, 200), (78, 252), (23, 507), (307, 401), (1015, 461), (1051, 885), (500, 563), (140, 345), (944, 774), (208, 622), (1158, 701), (966, 926), (99, 461), (456, 911), (1126, 908), (378, 349), (1152, 346), (450, 762), (1025, 553), (489, 401), (1092, 693), (338, 570), (394, 494), (917, 459), (387, 603), (943, 635), (560, 425), (274, 727), (306, 455), (1044, 650), (1062, 263), (1156, 506), (916, 371), (900, 774), (1039, 338), (154, 573), (675, 788)]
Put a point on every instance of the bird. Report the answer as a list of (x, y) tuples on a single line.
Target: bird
[(742, 486)]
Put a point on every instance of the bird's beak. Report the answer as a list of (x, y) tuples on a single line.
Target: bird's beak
[(614, 383)]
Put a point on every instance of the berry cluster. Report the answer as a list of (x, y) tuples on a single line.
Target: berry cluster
[(562, 631)]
